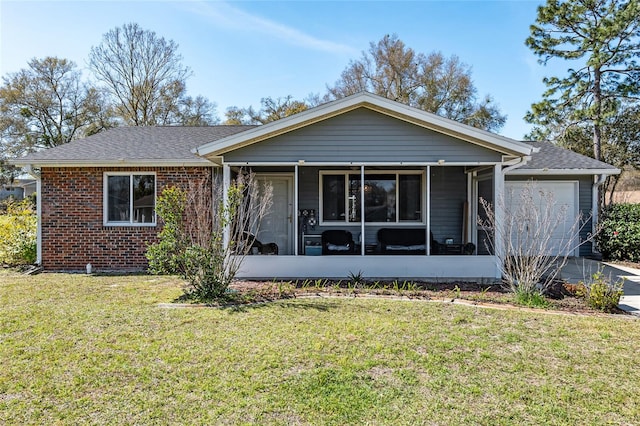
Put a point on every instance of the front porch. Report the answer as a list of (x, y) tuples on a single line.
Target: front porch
[(398, 185), (419, 221)]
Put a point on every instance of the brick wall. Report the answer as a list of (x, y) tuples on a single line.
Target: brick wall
[(73, 233)]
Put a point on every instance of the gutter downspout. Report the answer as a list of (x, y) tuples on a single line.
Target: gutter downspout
[(37, 176), (595, 207), (521, 162)]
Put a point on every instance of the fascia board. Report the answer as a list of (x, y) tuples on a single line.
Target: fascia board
[(564, 172), (112, 163), (359, 163), (375, 103)]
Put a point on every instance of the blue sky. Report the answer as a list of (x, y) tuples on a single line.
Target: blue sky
[(242, 51)]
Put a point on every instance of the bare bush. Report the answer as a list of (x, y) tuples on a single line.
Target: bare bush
[(531, 252)]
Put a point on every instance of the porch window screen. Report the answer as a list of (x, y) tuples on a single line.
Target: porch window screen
[(130, 199), (380, 198), (333, 201), (388, 197), (409, 191)]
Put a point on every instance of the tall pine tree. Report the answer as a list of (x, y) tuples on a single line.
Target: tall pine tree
[(602, 39)]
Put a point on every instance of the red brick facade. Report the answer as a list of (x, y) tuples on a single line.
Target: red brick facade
[(73, 233)]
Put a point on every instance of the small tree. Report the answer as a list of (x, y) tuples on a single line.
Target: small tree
[(193, 242), (526, 233)]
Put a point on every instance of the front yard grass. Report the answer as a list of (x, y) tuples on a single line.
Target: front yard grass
[(99, 350)]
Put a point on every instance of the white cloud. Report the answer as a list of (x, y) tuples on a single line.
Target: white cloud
[(225, 15)]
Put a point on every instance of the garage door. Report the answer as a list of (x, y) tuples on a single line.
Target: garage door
[(549, 230)]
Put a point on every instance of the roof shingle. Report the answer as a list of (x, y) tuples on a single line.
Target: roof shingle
[(553, 157), (170, 143)]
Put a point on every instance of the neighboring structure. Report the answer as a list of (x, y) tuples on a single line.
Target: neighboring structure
[(19, 189), (405, 171)]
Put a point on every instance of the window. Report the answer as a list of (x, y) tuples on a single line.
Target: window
[(130, 199), (389, 197)]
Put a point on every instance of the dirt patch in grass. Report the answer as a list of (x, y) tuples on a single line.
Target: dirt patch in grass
[(249, 291)]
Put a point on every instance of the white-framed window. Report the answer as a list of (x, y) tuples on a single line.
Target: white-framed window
[(130, 198), (390, 196)]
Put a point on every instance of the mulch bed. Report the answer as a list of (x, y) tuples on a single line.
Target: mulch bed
[(562, 298)]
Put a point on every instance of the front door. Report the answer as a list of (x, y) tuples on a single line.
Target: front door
[(277, 225)]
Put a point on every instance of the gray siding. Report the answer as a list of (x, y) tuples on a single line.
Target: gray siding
[(362, 135), (584, 198)]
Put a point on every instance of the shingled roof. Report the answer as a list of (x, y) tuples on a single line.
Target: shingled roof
[(152, 145), (171, 145), (551, 157)]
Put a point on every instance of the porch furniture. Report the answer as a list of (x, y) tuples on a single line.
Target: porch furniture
[(258, 247), (337, 241), (405, 241), (312, 244), (468, 248), (452, 248), (370, 248)]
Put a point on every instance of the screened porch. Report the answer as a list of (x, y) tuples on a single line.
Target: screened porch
[(413, 216)]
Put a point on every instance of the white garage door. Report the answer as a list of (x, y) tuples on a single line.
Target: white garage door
[(547, 229)]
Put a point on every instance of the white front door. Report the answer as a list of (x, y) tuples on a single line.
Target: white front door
[(277, 225)]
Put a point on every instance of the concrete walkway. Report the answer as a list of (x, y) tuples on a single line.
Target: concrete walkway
[(579, 269)]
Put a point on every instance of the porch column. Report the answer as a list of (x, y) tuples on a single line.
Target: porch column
[(471, 217), (498, 203), (428, 212), (362, 236), (226, 182), (295, 210)]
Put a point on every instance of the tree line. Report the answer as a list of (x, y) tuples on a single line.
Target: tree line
[(139, 79)]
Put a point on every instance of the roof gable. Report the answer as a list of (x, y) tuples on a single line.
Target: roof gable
[(362, 136), (376, 103)]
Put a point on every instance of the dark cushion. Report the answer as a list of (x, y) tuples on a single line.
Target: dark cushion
[(337, 241), (401, 236), (403, 241)]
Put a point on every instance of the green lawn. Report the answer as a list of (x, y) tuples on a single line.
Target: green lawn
[(99, 350)]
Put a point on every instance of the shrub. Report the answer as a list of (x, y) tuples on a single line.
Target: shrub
[(18, 234), (531, 299), (601, 293), (164, 256), (193, 243), (619, 232)]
